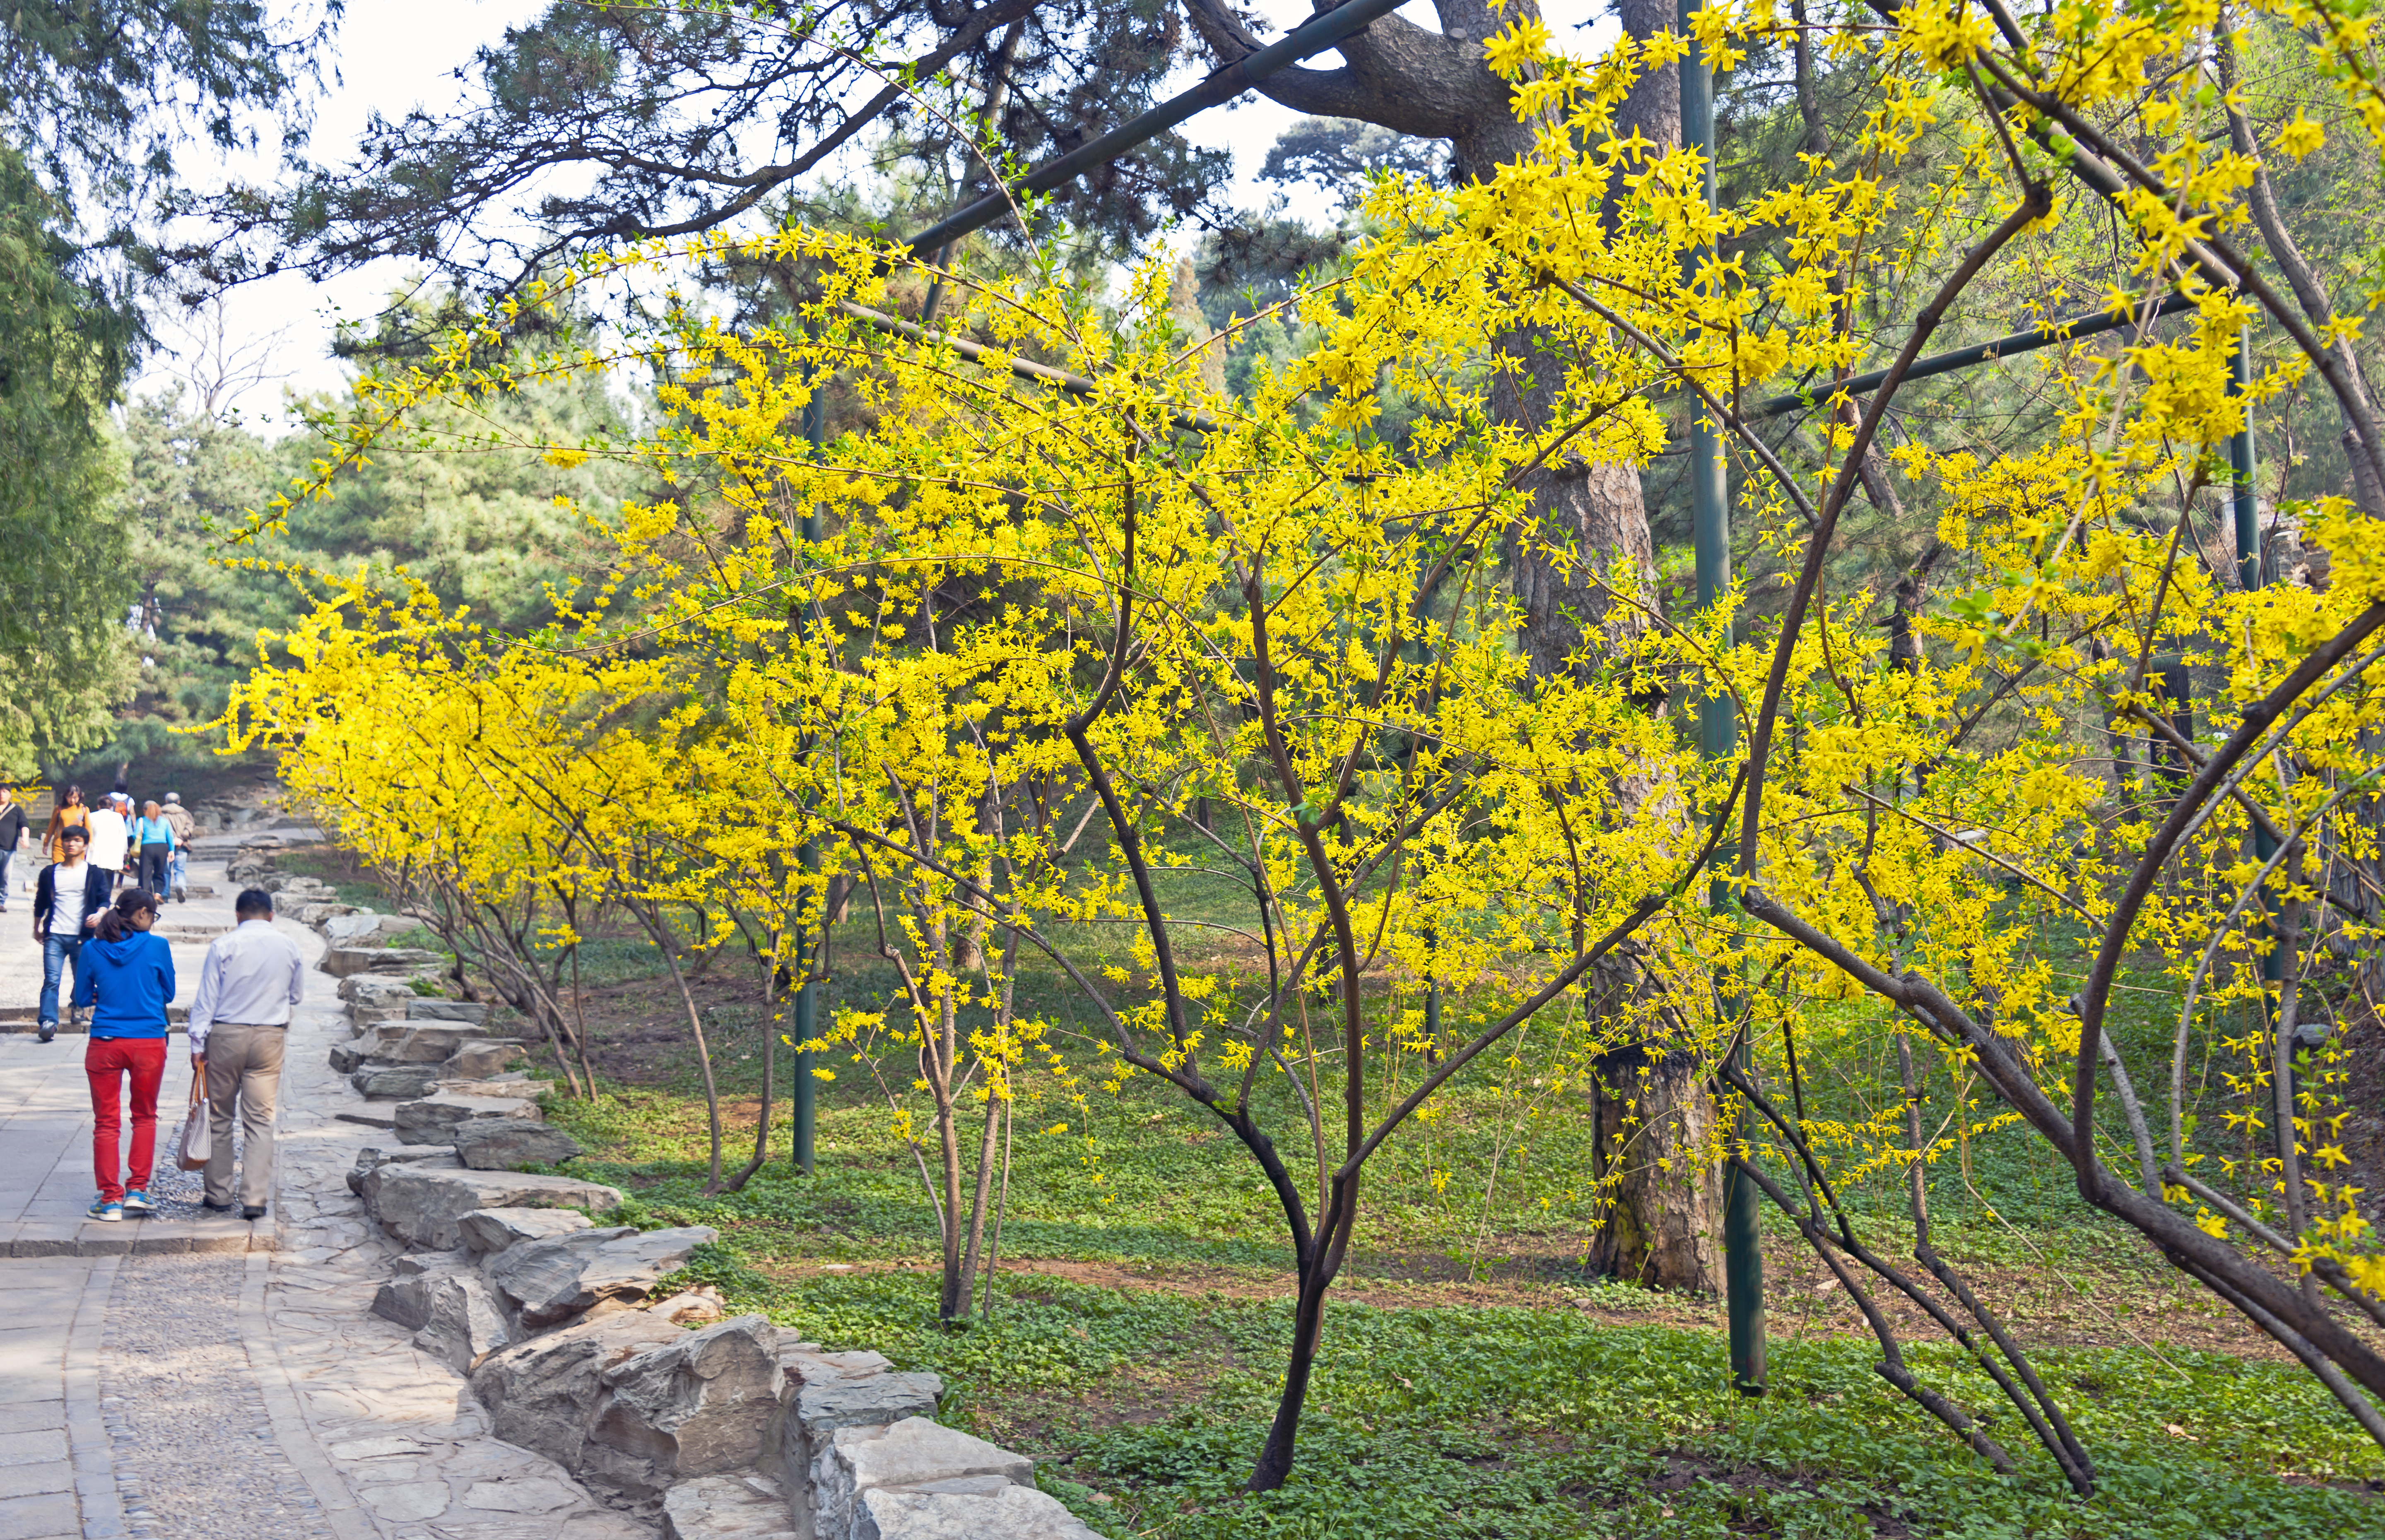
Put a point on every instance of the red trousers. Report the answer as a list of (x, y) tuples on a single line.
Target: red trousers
[(108, 1061)]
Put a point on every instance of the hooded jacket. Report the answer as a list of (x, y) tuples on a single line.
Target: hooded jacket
[(129, 979)]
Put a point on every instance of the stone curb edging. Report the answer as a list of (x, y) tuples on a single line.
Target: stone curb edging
[(142, 1238), (88, 1444), (341, 1510)]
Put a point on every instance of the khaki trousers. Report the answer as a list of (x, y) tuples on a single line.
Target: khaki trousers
[(244, 1067)]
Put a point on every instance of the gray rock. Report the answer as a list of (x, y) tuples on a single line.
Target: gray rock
[(508, 1144), (1008, 1513), (543, 1282), (698, 1406), (423, 1009), (463, 1324), (340, 961), (433, 1119), (406, 1298), (348, 1057), (395, 1082), (503, 1087), (487, 1231), (741, 1506), (374, 987), (419, 1203), (830, 1402), (407, 1041), (477, 1058), (320, 914), (806, 1363), (368, 1180), (540, 1394), (362, 927), (414, 1264), (370, 1157), (914, 1455)]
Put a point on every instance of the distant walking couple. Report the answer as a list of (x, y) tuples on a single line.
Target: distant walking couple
[(239, 1016)]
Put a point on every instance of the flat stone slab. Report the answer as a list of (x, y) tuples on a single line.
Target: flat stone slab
[(407, 1041), (1010, 1513), (491, 1230), (397, 1083), (340, 961), (917, 1480), (740, 1505), (421, 1204), (508, 1144), (552, 1280), (434, 1119), (485, 1056), (422, 1009)]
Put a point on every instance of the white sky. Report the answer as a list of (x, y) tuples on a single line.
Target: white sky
[(391, 58)]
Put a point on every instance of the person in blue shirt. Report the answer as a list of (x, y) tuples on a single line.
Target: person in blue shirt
[(154, 842), (126, 978)]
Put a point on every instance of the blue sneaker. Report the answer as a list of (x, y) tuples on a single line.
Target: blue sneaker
[(103, 1209), (137, 1204)]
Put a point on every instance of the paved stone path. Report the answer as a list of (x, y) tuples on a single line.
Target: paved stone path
[(190, 1375)]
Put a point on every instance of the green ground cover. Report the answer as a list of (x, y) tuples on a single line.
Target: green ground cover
[(1146, 1404), (1135, 1343)]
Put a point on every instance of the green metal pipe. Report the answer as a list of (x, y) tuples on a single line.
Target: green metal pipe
[(805, 1111), (1718, 737), (2251, 564)]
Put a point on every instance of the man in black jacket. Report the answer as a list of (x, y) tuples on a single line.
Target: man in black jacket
[(12, 834), (69, 898)]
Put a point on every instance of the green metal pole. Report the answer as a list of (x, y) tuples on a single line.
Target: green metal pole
[(808, 996), (2249, 565), (2240, 464), (1718, 737)]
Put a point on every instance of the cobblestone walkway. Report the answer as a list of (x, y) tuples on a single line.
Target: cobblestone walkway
[(196, 1455)]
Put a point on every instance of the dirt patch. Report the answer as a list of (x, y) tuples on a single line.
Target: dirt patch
[(2042, 1309)]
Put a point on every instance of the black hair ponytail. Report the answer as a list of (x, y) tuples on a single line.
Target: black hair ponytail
[(116, 924)]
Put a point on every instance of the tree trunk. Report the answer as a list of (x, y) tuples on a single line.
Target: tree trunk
[(1655, 1119), (1307, 1332)]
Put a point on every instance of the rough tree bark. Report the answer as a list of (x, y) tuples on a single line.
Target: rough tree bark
[(1592, 518)]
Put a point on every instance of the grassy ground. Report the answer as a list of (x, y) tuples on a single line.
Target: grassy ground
[(1474, 1383)]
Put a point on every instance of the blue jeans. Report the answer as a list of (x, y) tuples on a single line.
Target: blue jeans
[(182, 869), (56, 952)]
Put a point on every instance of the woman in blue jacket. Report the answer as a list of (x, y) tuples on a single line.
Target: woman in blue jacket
[(153, 842), (128, 975)]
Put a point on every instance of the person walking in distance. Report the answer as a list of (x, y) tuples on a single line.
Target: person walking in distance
[(111, 838), (128, 980), (69, 814), (12, 834), (186, 829), (240, 1018), (69, 898), (153, 840)]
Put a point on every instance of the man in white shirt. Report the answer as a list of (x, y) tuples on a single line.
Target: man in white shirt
[(69, 898), (239, 1021), (110, 838)]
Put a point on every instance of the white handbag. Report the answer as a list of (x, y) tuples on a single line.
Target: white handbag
[(197, 1144)]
